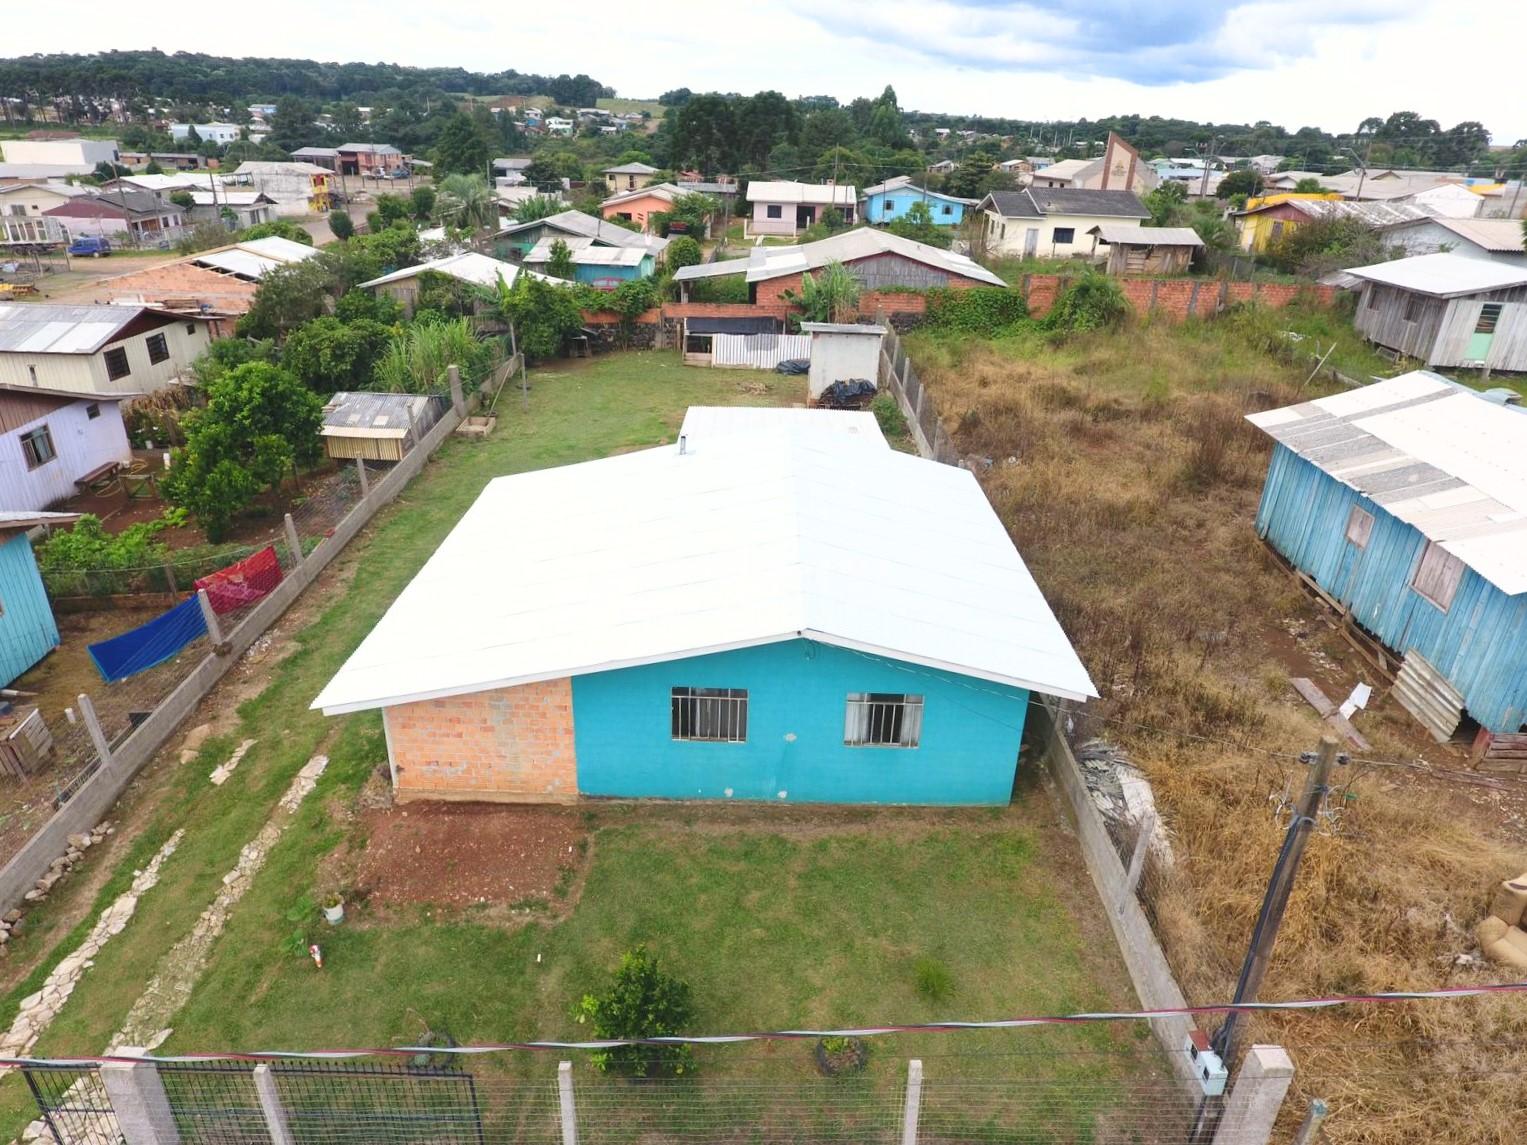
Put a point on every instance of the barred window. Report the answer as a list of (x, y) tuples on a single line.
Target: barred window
[(116, 364), (158, 348), (719, 715), (882, 719)]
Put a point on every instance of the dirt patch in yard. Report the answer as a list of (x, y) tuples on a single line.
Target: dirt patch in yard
[(460, 855)]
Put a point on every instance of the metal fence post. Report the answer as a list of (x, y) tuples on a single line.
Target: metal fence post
[(1256, 1097), (1309, 1132), (360, 468), (458, 402), (93, 726), (565, 1104), (1137, 860), (209, 614), (270, 1105), (293, 541), (913, 1106), (137, 1097)]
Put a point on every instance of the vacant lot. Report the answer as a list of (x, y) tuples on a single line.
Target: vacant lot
[(784, 917), (1129, 480)]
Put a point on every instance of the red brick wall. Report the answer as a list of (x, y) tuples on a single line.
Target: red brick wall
[(509, 745)]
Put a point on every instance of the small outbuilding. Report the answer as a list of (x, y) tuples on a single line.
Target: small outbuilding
[(28, 631), (842, 352), (1446, 310), (1405, 501), (377, 427), (1132, 249), (758, 341)]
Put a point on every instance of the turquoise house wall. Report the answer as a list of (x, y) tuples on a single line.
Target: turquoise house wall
[(797, 692), (884, 206), (28, 631), (1479, 644), (625, 273)]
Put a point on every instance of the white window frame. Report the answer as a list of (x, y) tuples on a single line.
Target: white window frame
[(1438, 575), (883, 719), (1359, 526)]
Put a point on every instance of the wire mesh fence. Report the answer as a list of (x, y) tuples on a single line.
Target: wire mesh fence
[(1108, 1098)]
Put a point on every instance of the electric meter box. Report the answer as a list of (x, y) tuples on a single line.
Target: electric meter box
[(1211, 1072)]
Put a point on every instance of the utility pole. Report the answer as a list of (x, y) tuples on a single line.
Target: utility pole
[(1275, 902)]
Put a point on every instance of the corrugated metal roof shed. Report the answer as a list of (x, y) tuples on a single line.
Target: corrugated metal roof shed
[(356, 413), (657, 555), (1146, 236), (30, 328), (1434, 455)]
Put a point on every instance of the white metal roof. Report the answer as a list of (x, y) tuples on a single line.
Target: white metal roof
[(11, 520), (256, 258), (785, 191), (33, 328), (704, 426), (1444, 275), (657, 555), (585, 252), (1435, 455), (1147, 236), (765, 262), (469, 266)]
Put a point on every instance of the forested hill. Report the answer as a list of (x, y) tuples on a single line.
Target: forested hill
[(194, 78)]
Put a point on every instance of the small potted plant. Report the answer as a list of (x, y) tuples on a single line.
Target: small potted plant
[(838, 1056), (333, 908)]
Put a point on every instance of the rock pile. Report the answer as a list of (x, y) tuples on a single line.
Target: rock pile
[(58, 868)]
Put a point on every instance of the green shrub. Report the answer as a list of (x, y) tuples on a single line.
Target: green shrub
[(893, 423), (683, 251), (979, 310), (640, 1002), (89, 546), (1093, 302), (932, 978)]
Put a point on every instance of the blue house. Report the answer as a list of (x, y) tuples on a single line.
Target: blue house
[(1406, 502), (889, 201), (780, 607), (28, 631), (594, 263)]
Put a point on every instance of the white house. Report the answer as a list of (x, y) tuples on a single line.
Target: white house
[(1496, 239), (100, 351), (32, 199), (48, 443), (220, 133), (781, 207), (1053, 222)]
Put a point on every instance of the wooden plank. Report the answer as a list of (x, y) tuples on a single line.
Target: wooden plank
[(1329, 711)]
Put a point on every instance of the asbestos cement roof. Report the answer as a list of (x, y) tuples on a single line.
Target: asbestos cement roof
[(1147, 236), (1498, 236), (468, 266), (1434, 455), (784, 191), (31, 328), (254, 259), (705, 426), (585, 252), (659, 555), (1444, 275), (766, 262), (587, 226), (353, 413)]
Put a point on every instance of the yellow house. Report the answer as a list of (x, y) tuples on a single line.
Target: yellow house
[(1266, 217)]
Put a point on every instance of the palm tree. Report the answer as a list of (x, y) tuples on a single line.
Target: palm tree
[(465, 201)]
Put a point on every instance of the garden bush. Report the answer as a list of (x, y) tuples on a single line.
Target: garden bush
[(640, 1002), (979, 310)]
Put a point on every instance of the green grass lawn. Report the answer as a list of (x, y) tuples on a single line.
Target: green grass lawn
[(807, 921), (625, 106)]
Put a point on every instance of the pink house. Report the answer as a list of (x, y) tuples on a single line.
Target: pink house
[(785, 208)]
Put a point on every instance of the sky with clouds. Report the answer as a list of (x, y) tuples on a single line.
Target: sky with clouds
[(1326, 63)]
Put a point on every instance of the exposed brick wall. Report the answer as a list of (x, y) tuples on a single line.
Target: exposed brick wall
[(508, 745), (1176, 299)]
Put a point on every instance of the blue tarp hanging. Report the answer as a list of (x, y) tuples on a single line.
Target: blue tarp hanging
[(139, 649)]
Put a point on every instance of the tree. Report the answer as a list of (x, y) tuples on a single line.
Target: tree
[(1309, 185), (543, 176), (356, 305), (465, 201), (460, 147), (763, 121), (831, 297), (1321, 246), (560, 264), (183, 199), (543, 315), (1246, 182), (422, 199), (281, 229), (1164, 202), (389, 209), (259, 423), (704, 135), (287, 297), (640, 1002), (341, 225), (682, 251), (917, 224), (153, 168), (678, 97), (330, 355), (537, 207)]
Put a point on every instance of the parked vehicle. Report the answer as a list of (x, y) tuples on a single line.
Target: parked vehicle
[(92, 245)]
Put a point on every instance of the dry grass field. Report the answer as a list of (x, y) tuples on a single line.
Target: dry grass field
[(1129, 480)]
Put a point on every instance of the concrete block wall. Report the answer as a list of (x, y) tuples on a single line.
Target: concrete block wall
[(510, 745)]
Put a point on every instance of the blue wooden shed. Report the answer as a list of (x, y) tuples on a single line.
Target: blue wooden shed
[(780, 607), (1406, 503), (886, 202), (28, 631)]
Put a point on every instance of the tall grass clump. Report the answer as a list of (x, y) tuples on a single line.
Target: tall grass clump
[(417, 359)]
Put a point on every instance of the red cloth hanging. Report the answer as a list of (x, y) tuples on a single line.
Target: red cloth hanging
[(243, 582)]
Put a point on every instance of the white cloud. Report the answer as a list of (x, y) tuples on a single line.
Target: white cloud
[(1325, 63)]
